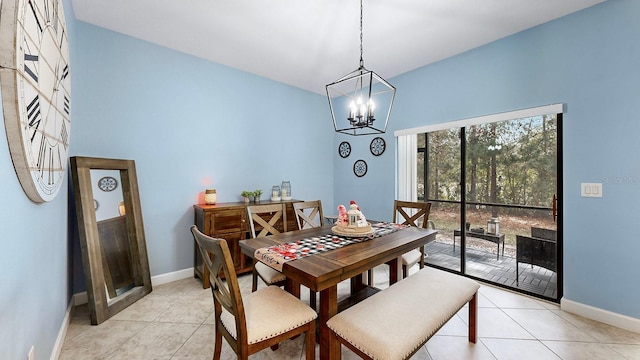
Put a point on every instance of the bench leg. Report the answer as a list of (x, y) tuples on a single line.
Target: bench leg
[(473, 318)]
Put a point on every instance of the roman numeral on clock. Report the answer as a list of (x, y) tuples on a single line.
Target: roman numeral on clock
[(33, 59), (66, 105), (51, 166), (64, 135), (34, 116), (35, 15), (65, 72), (42, 153)]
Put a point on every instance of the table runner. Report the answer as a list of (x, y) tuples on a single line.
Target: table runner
[(275, 256)]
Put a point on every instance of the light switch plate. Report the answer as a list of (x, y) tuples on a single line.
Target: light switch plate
[(591, 189)]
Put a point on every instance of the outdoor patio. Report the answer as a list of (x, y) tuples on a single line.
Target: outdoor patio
[(482, 263)]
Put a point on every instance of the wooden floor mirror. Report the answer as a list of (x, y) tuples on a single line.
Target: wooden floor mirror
[(111, 232)]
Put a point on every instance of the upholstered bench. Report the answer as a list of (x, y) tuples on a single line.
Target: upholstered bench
[(396, 322)]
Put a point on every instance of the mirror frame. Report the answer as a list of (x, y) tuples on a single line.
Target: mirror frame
[(100, 306)]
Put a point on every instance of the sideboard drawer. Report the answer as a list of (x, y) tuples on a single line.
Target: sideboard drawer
[(227, 221)]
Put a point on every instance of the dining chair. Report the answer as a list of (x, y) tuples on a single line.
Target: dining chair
[(414, 214), (309, 215), (266, 218), (253, 323)]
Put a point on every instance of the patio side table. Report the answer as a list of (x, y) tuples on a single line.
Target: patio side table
[(495, 238)]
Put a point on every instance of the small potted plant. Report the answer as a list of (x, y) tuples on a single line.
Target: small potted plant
[(247, 195), (257, 195)]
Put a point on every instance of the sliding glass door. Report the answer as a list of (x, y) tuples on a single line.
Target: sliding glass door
[(439, 174), (494, 193)]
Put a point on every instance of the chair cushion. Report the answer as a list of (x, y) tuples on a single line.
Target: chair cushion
[(268, 274), (411, 258), (269, 312)]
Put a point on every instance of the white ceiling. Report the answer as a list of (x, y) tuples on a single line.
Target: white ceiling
[(310, 43)]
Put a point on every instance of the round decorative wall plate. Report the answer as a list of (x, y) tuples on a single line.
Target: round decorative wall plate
[(377, 146), (344, 149), (360, 168), (107, 183)]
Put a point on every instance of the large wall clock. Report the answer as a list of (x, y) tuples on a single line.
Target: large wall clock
[(36, 93)]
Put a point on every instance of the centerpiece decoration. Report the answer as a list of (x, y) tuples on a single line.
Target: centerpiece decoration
[(351, 222)]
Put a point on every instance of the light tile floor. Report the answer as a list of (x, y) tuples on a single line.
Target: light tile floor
[(175, 322)]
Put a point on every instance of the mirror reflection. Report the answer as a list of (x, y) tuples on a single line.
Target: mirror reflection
[(112, 231)]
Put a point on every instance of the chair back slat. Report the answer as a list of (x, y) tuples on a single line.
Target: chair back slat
[(308, 214), (412, 213), (268, 216)]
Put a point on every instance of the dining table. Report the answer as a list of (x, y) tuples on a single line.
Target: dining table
[(323, 271)]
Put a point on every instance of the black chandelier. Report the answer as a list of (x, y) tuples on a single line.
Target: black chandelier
[(356, 98)]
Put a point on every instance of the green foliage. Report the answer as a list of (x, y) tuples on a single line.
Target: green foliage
[(509, 162)]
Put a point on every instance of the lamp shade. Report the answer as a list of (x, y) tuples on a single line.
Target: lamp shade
[(210, 196)]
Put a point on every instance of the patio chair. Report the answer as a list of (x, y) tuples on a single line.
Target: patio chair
[(251, 324), (538, 249)]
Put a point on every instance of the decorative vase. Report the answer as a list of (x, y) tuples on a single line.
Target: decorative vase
[(275, 193), (285, 190)]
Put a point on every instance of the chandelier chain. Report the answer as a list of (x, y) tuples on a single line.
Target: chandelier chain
[(361, 59)]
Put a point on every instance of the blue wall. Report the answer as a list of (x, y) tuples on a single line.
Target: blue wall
[(190, 124), (34, 261), (590, 62)]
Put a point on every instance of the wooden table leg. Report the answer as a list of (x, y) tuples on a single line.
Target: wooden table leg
[(395, 270), (328, 308), (292, 287), (357, 283)]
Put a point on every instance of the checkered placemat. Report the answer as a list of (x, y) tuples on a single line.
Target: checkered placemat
[(275, 256)]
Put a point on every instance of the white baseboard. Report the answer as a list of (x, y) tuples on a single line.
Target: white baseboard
[(604, 316), (81, 297), (62, 333), (172, 276)]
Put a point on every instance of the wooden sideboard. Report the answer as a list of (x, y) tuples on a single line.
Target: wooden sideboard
[(229, 221)]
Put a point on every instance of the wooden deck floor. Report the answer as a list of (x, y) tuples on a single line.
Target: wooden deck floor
[(483, 265)]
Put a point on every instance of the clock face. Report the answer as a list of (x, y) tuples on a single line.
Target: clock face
[(344, 149), (36, 93), (360, 168), (107, 183), (377, 146)]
